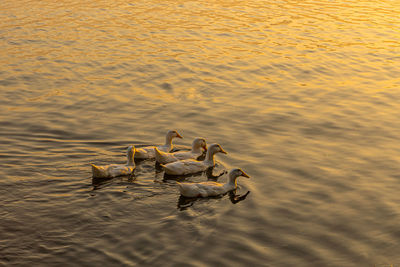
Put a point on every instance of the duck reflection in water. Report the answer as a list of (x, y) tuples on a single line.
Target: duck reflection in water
[(99, 183), (186, 202)]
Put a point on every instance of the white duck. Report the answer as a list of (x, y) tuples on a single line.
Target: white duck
[(147, 152), (192, 166), (209, 188), (114, 170), (197, 145)]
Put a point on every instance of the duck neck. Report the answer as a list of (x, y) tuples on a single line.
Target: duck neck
[(168, 140), (130, 162), (232, 181), (209, 158)]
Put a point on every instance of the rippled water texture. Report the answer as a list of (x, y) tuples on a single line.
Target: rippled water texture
[(303, 95)]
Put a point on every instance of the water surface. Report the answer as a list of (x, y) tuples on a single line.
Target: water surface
[(303, 95)]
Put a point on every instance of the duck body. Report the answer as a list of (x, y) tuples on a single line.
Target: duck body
[(147, 152), (114, 170), (197, 145), (184, 167), (189, 166), (203, 189), (111, 171), (209, 188)]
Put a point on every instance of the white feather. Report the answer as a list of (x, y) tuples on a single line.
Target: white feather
[(164, 157), (189, 166), (147, 152), (209, 188), (114, 170)]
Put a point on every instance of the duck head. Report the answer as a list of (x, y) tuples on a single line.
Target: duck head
[(215, 148), (238, 172), (212, 149), (199, 143), (235, 173), (171, 135)]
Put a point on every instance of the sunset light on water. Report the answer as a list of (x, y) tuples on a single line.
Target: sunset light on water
[(304, 96)]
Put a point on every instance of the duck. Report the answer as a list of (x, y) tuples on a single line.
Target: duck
[(189, 166), (197, 145), (114, 170), (210, 188), (147, 152)]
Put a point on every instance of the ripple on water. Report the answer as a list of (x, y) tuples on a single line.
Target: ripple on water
[(302, 95)]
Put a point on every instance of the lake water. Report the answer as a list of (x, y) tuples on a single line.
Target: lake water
[(303, 95)]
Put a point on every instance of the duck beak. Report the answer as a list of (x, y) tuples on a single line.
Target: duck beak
[(223, 151), (245, 174), (178, 135)]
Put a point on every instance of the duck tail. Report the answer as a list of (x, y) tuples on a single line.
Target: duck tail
[(180, 187), (185, 190), (158, 155), (95, 171)]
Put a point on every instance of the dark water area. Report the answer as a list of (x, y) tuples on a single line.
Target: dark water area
[(303, 95)]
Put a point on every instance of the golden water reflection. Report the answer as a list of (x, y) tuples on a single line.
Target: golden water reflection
[(303, 95)]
